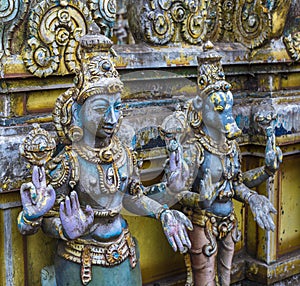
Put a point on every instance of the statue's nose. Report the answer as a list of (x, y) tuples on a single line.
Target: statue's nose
[(111, 116), (232, 130)]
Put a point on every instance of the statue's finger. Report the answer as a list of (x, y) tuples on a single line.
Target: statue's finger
[(62, 209), (26, 191), (172, 242), (279, 154), (271, 223), (74, 202), (272, 209), (265, 222), (36, 177), (259, 221), (187, 239), (68, 206), (42, 177), (178, 242)]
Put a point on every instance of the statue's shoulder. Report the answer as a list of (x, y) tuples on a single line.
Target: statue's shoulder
[(63, 168)]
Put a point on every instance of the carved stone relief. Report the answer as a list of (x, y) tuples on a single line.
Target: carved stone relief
[(12, 13), (165, 21), (249, 22), (54, 29)]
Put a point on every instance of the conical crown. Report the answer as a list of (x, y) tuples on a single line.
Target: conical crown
[(97, 74), (210, 71)]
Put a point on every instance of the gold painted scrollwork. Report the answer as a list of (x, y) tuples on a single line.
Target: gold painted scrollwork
[(160, 28), (292, 43), (214, 21), (252, 23), (194, 28), (54, 30), (12, 13), (104, 14)]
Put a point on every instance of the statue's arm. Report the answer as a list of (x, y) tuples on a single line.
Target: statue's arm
[(260, 205), (273, 159), (37, 199), (174, 223)]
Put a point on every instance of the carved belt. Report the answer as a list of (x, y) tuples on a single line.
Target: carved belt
[(107, 213), (215, 227), (106, 254)]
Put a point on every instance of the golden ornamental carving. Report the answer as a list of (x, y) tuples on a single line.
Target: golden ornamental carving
[(104, 14), (54, 29), (292, 43), (249, 22), (252, 23), (12, 13), (38, 146), (165, 21)]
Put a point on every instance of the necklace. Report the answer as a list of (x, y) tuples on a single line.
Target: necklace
[(225, 152), (110, 180), (106, 155), (215, 148)]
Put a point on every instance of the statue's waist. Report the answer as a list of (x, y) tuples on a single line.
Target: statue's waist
[(91, 252), (108, 212), (219, 225)]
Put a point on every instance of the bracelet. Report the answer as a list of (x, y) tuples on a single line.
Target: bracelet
[(34, 223), (161, 210), (268, 171), (248, 195), (61, 232)]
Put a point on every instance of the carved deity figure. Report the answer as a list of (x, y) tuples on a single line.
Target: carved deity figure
[(207, 164), (76, 195)]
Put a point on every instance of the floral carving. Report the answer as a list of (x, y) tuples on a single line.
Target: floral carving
[(54, 29), (12, 13), (104, 14), (292, 43), (252, 23), (165, 21)]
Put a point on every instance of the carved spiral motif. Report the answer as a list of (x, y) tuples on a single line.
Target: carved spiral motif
[(160, 28), (214, 20), (194, 27), (104, 14), (292, 42), (228, 9), (252, 23), (54, 31), (12, 13)]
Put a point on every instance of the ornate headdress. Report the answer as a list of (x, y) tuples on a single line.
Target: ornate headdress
[(210, 71), (97, 75)]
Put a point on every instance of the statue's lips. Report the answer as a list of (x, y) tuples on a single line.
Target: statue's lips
[(108, 129)]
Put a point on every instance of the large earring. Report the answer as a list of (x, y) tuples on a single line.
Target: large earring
[(119, 123), (75, 133), (195, 119)]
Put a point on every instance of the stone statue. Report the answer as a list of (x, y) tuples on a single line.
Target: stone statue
[(76, 195), (207, 165)]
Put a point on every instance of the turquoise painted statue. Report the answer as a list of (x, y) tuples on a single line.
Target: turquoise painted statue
[(79, 187), (205, 161)]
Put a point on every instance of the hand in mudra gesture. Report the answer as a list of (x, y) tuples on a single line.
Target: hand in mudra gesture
[(37, 198), (74, 220)]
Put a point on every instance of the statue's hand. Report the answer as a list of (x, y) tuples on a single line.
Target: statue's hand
[(74, 221), (262, 208), (37, 198), (174, 224), (206, 188), (273, 154), (176, 170)]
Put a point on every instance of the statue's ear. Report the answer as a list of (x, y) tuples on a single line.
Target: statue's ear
[(197, 103)]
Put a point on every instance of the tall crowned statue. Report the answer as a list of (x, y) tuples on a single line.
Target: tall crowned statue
[(77, 194)]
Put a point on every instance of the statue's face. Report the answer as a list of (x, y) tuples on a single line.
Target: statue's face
[(217, 113), (100, 114)]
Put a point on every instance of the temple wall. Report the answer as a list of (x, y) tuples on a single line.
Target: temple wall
[(262, 72)]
